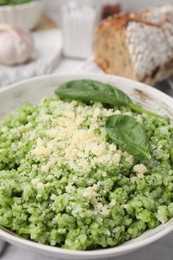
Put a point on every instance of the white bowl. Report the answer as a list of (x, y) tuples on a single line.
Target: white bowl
[(33, 90), (24, 15)]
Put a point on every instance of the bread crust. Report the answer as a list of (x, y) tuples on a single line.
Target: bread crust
[(137, 45)]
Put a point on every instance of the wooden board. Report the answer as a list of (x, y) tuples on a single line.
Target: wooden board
[(46, 23)]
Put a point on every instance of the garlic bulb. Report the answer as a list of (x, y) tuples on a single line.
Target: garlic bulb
[(16, 45)]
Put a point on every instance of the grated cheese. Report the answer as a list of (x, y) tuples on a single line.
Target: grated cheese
[(140, 169)]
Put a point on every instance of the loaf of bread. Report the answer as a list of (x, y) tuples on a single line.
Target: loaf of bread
[(137, 45)]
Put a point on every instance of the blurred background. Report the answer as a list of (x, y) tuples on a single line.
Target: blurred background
[(62, 33)]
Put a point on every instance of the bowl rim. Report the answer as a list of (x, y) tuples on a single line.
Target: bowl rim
[(21, 7), (108, 252)]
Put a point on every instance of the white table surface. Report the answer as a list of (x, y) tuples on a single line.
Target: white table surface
[(68, 66), (160, 250)]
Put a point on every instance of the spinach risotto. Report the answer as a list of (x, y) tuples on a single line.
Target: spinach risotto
[(82, 174)]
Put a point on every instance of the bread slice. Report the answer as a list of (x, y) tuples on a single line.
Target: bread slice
[(137, 45)]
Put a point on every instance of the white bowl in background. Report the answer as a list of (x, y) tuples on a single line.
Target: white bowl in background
[(33, 90), (22, 15)]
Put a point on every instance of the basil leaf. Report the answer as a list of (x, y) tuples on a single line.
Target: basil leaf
[(89, 90), (130, 135)]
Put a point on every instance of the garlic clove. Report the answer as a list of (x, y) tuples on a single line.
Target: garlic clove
[(16, 45)]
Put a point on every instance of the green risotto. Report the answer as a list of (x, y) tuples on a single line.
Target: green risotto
[(64, 183)]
